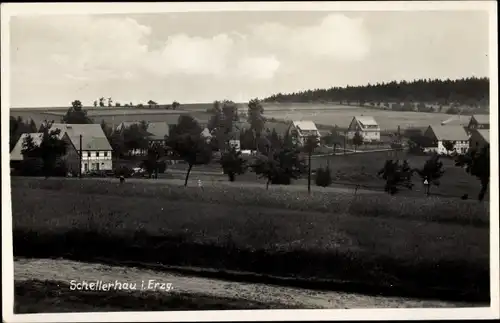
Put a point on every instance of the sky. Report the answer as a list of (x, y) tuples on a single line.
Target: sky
[(194, 57)]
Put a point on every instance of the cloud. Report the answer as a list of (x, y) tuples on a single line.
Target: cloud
[(336, 37)]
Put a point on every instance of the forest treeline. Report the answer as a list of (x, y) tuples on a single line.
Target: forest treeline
[(471, 92)]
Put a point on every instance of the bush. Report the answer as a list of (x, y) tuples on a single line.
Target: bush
[(323, 177), (124, 171), (31, 167), (162, 167)]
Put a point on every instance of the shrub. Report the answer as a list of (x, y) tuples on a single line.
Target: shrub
[(162, 167), (323, 177)]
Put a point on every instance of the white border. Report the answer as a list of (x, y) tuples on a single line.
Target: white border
[(13, 9)]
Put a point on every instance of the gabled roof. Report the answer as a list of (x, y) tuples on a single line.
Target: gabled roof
[(16, 153), (366, 121), (93, 138), (447, 132), (482, 118), (158, 130), (484, 133), (305, 125)]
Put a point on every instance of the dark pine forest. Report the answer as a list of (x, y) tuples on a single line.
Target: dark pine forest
[(469, 92)]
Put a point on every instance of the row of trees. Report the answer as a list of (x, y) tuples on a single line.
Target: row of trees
[(108, 102), (471, 91)]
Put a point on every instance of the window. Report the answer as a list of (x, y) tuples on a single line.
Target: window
[(88, 153), (97, 154), (105, 154), (86, 167)]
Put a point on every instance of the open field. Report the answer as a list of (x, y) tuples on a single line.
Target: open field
[(324, 114), (427, 247)]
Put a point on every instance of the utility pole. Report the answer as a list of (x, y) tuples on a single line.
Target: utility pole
[(81, 156)]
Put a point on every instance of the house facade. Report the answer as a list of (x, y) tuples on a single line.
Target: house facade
[(366, 126), (96, 151), (301, 130), (479, 139), (437, 135)]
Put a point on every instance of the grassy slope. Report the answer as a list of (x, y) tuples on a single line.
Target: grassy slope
[(35, 296), (415, 256)]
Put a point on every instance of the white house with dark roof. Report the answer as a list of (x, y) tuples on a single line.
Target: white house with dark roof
[(95, 147), (439, 134), (366, 126), (300, 130)]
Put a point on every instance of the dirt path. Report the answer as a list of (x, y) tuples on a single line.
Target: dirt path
[(65, 271)]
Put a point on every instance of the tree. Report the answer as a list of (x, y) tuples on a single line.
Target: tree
[(256, 116), (216, 119), (76, 114), (50, 149), (279, 166), (312, 142), (135, 138), (101, 102), (95, 103), (247, 140), (110, 102), (17, 127), (175, 105), (357, 140), (193, 149), (324, 176), (476, 162), (232, 163), (152, 104), (431, 172), (333, 138), (186, 124), (151, 164), (448, 145), (108, 131), (396, 175)]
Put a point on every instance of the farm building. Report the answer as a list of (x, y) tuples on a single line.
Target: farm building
[(95, 147), (366, 126), (457, 120), (439, 134), (479, 138), (300, 130), (479, 121)]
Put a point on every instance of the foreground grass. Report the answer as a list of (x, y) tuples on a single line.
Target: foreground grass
[(36, 296), (433, 209), (165, 225)]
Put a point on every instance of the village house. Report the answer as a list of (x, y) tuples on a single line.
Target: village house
[(479, 139), (437, 135), (95, 147), (367, 127), (300, 130), (479, 121)]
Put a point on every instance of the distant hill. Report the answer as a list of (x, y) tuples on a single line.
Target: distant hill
[(466, 92)]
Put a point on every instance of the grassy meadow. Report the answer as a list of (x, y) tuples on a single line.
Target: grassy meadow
[(428, 247)]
